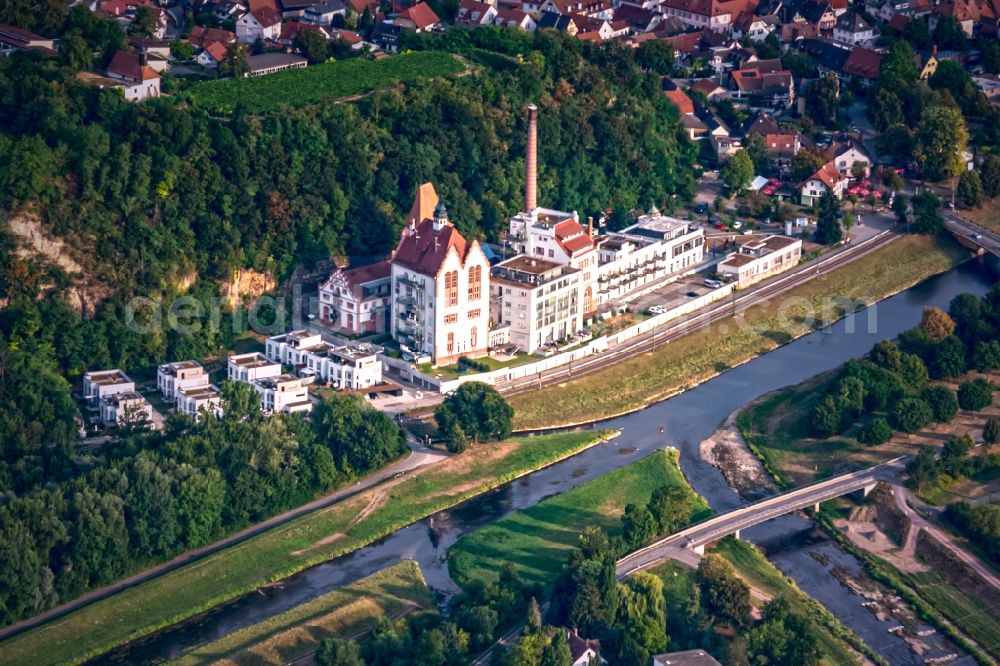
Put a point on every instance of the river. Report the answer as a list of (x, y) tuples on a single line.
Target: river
[(687, 419)]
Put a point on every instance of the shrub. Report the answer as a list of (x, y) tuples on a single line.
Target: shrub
[(826, 417), (875, 432), (975, 394), (991, 431), (911, 414)]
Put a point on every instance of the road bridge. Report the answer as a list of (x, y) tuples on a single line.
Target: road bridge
[(691, 541), (974, 235)]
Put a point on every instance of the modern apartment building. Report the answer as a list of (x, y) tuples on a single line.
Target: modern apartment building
[(103, 383), (196, 401), (283, 393), (250, 367), (125, 407), (182, 374), (540, 300), (343, 366), (761, 258), (440, 286)]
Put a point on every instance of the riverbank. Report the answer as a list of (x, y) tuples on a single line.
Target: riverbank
[(346, 612), (282, 552), (637, 382), (537, 541)]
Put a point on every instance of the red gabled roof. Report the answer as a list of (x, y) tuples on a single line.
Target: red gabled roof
[(687, 42), (828, 175), (200, 36), (126, 65), (347, 36), (291, 30), (364, 274), (863, 62), (217, 50), (422, 15), (572, 237), (360, 5), (682, 101), (424, 248), (267, 16)]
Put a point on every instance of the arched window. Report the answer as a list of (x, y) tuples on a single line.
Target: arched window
[(451, 288), (475, 283)]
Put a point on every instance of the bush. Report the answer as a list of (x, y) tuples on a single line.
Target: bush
[(991, 431), (975, 394), (911, 414), (943, 402), (478, 409), (472, 363), (875, 432), (826, 418)]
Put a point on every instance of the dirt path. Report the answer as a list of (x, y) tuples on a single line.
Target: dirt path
[(901, 495), (727, 450)]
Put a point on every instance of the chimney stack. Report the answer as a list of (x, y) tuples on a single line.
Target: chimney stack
[(143, 58), (531, 163), (590, 227)]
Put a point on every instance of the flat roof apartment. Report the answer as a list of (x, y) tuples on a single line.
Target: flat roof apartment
[(760, 258), (540, 300)]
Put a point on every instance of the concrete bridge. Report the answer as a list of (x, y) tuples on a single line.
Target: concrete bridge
[(690, 542), (974, 236)]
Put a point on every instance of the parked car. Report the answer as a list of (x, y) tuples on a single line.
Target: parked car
[(701, 209), (692, 294), (657, 309), (714, 284)]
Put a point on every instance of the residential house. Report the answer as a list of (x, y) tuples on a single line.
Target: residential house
[(862, 65), (440, 286), (539, 300), (349, 37), (212, 55), (474, 13), (229, 10), (715, 15), (828, 57), (325, 14), (124, 11), (558, 22), (170, 377), (760, 258), (791, 33), (14, 39), (724, 142), (139, 81), (639, 20), (887, 10), (197, 401), (126, 408), (250, 367), (826, 179), (846, 155), (290, 31), (157, 51), (756, 28), (357, 301), (710, 88), (343, 366), (817, 13), (103, 383), (263, 23), (928, 64), (763, 84), (583, 651), (419, 18), (283, 394), (514, 18), (685, 658), (852, 28), (386, 36), (201, 36)]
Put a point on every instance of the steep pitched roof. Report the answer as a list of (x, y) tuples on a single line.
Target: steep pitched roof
[(363, 274), (828, 175), (422, 15), (863, 62), (127, 65), (200, 36), (217, 50), (424, 203), (572, 237), (266, 16), (424, 248), (851, 22), (682, 101)]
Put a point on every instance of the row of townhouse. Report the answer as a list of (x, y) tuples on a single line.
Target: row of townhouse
[(278, 391), (344, 367), (112, 395)]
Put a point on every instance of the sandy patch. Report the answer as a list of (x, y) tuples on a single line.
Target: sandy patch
[(727, 450)]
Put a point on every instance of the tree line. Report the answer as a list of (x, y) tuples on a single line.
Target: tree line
[(80, 520)]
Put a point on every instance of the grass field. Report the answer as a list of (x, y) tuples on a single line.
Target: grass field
[(345, 612), (276, 554), (538, 540), (762, 575), (334, 80), (988, 216), (981, 623), (692, 359)]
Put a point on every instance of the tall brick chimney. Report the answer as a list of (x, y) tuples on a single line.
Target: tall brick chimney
[(531, 163)]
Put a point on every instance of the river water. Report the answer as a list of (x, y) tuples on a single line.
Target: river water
[(687, 419)]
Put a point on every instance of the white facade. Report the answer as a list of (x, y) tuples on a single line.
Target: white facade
[(103, 383), (196, 401), (250, 367), (540, 301), (845, 162), (283, 393), (761, 258), (183, 374), (249, 29), (125, 407), (357, 301), (345, 367)]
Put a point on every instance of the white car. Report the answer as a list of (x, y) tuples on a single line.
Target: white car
[(657, 309)]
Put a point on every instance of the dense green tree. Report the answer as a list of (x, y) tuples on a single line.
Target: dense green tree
[(991, 56), (737, 172), (939, 141), (638, 525), (875, 432), (557, 652), (975, 394), (911, 414), (827, 418), (927, 218), (943, 402), (918, 33), (948, 34), (479, 410), (805, 164), (991, 431), (723, 593), (20, 571), (949, 358), (986, 357), (656, 56), (312, 44), (182, 50), (828, 215), (783, 638), (924, 468), (901, 207), (913, 370), (336, 652), (671, 507), (643, 619), (144, 22), (989, 174), (954, 453), (235, 63), (970, 189), (822, 97)]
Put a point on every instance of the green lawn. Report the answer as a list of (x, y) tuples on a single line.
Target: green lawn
[(278, 553), (453, 370), (538, 539), (692, 359), (762, 575), (334, 80), (344, 612)]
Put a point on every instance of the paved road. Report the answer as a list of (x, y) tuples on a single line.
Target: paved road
[(984, 238), (711, 314), (728, 523), (419, 457), (902, 497)]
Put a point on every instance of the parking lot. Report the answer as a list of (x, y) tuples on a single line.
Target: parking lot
[(676, 293)]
